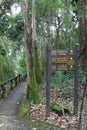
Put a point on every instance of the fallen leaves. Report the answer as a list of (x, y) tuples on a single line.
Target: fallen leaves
[(39, 112)]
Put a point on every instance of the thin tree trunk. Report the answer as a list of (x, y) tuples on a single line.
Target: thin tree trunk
[(1, 71), (34, 28), (82, 37), (83, 113), (82, 33), (28, 42)]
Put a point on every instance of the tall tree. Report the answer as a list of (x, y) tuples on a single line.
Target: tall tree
[(28, 43), (82, 29), (32, 88), (34, 43)]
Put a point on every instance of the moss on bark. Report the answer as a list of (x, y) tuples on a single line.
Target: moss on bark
[(34, 95)]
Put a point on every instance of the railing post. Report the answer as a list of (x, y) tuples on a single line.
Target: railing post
[(0, 90), (3, 91), (11, 84), (19, 78), (76, 83), (48, 74), (16, 81)]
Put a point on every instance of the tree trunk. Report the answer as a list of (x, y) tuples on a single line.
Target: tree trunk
[(83, 113), (34, 43), (33, 26), (82, 37), (82, 33), (1, 71), (28, 42)]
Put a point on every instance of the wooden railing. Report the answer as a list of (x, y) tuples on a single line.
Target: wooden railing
[(10, 84)]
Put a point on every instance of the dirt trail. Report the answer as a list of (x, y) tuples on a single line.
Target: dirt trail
[(8, 108)]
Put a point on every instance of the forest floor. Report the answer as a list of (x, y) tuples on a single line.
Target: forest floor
[(67, 120), (9, 119)]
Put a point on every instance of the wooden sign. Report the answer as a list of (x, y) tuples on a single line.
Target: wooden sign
[(62, 52), (59, 60), (63, 60), (62, 67)]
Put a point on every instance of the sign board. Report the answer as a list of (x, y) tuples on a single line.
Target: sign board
[(62, 59), (59, 60), (63, 67), (62, 52)]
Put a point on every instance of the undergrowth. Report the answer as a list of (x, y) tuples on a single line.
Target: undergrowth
[(64, 82)]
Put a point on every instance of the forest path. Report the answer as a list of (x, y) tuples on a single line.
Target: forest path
[(8, 112), (9, 106)]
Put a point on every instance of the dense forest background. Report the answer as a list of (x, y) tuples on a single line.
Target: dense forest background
[(59, 17), (25, 29)]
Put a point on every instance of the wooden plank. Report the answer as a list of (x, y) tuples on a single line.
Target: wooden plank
[(54, 60), (62, 52), (53, 67), (63, 60), (53, 52), (62, 67)]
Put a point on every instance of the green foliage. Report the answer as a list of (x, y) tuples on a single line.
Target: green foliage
[(59, 109), (24, 110), (1, 78), (16, 27), (45, 6), (64, 81), (55, 107), (33, 88), (37, 68), (2, 51), (6, 69)]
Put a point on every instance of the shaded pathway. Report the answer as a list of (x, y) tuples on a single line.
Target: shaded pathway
[(9, 106), (8, 120)]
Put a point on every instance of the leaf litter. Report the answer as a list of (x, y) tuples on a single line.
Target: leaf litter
[(64, 121)]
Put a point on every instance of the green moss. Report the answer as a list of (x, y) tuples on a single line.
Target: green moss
[(56, 107), (24, 110), (37, 68), (34, 95)]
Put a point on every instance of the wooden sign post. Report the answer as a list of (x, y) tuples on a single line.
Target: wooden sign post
[(48, 74), (76, 83), (62, 60)]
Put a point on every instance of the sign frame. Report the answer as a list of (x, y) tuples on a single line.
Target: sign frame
[(62, 53)]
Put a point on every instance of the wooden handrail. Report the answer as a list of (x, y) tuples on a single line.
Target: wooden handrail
[(13, 82)]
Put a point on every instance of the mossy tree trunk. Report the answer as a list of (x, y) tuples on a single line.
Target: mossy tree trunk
[(32, 88), (28, 43), (34, 43)]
